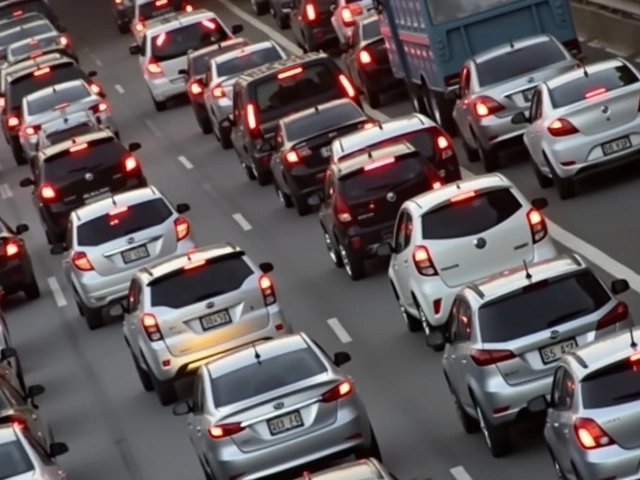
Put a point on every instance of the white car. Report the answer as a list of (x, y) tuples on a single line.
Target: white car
[(147, 10), (447, 238), (345, 15)]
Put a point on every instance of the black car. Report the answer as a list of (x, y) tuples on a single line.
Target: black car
[(266, 94), (80, 171), (17, 8), (16, 270), (367, 61), (123, 14), (361, 199), (310, 22), (303, 149)]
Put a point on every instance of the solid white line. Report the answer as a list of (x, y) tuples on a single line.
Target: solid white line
[(459, 473), (119, 88), (153, 128), (339, 330), (5, 191), (187, 164), (58, 296), (246, 226)]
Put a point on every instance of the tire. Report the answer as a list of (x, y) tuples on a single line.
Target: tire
[(18, 154), (225, 140), (263, 177), (285, 198), (413, 324), (541, 178), (566, 186), (249, 172), (490, 159), (469, 424), (497, 438), (143, 375), (165, 390), (302, 207), (439, 109), (473, 156), (80, 311), (417, 101), (205, 125), (92, 317), (32, 290), (259, 7), (353, 265), (557, 468), (159, 106), (332, 250), (373, 99), (373, 451), (123, 28), (283, 22)]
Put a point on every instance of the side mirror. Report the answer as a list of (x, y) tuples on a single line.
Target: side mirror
[(92, 73), (237, 28), (57, 249), (266, 267), (7, 354), (22, 228), (134, 146), (135, 49), (183, 208), (27, 182), (266, 147), (34, 391), (436, 340), (540, 203), (520, 118), (57, 449), (344, 46), (314, 200), (453, 94), (619, 286), (184, 72), (538, 404), (384, 249), (341, 358), (182, 408)]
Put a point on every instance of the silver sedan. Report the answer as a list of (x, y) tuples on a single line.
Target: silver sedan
[(345, 15)]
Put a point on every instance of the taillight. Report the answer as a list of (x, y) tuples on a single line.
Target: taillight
[(341, 210), (188, 8), (11, 249), (16, 421), (31, 130), (139, 27), (99, 108), (562, 128), (310, 13), (64, 41), (485, 358), (118, 2), (364, 58), (444, 145), (48, 193), (590, 434), (486, 106), (617, 314), (224, 430), (195, 88), (217, 91), (154, 68), (537, 224), (339, 391), (95, 88), (81, 261), (3, 102), (292, 157), (150, 327), (252, 119), (348, 14), (348, 86), (268, 292), (13, 121), (182, 227), (131, 164), (423, 263)]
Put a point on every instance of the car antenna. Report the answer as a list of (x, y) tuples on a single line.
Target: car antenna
[(528, 275), (511, 43), (256, 354), (113, 200), (584, 70), (369, 153), (633, 338)]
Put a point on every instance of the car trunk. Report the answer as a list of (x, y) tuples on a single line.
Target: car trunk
[(63, 112), (604, 112), (622, 423), (378, 51)]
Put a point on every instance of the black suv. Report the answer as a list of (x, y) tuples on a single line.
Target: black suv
[(310, 22), (79, 171), (17, 8), (16, 270), (362, 197), (264, 95), (303, 149)]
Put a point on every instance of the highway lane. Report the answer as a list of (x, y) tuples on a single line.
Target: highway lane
[(94, 400)]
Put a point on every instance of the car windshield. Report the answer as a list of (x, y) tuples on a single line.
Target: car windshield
[(157, 8), (242, 62), (14, 460), (40, 79), (69, 133), (24, 32), (612, 385), (371, 30), (178, 42), (59, 98), (8, 24), (322, 120), (266, 376), (22, 49)]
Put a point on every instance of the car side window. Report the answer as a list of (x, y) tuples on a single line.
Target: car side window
[(399, 236), (68, 241), (534, 108), (236, 104), (567, 390), (279, 137), (463, 330), (207, 78), (198, 393), (556, 388), (143, 46), (38, 449), (408, 230)]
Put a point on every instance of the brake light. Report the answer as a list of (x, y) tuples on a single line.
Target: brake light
[(422, 262), (139, 27), (81, 261), (41, 71), (292, 157), (32, 130), (348, 14), (151, 327), (268, 292), (118, 210), (79, 147), (188, 8), (379, 163), (537, 224), (595, 93), (192, 265), (3, 102), (561, 128), (100, 108), (341, 390), (463, 196), (224, 430), (16, 421), (485, 358), (64, 41), (195, 88), (209, 24), (348, 87), (635, 358), (182, 227), (364, 58), (590, 434), (160, 3), (61, 106), (252, 118), (118, 2), (130, 164), (341, 210), (617, 314), (95, 88), (154, 67), (436, 185), (48, 193), (310, 12), (17, 13), (13, 121), (218, 91), (444, 145), (486, 106), (161, 39), (11, 249), (35, 54), (289, 73), (33, 42)]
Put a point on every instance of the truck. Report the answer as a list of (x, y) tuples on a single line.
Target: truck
[(429, 40)]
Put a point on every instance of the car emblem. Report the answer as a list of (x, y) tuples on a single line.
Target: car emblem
[(605, 110), (278, 406), (480, 243), (391, 197), (88, 176), (130, 240), (531, 79), (210, 305), (554, 334)]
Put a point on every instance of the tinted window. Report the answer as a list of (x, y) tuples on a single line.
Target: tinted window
[(14, 460), (24, 32), (21, 8), (470, 216), (421, 140), (19, 21), (66, 167), (150, 10), (321, 121), (613, 385), (264, 377), (178, 42), (451, 10), (579, 88), (200, 62), (25, 48), (61, 96), (198, 284), (29, 84), (541, 306), (247, 61), (371, 30), (69, 133)]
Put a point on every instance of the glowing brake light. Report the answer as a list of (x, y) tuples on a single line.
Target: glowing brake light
[(268, 292), (192, 265), (379, 163), (310, 12), (252, 118), (336, 393), (42, 71), (17, 13), (131, 164), (218, 92), (224, 430), (209, 24), (486, 358), (101, 107), (33, 42), (590, 434), (11, 249), (182, 228), (13, 121), (139, 27), (118, 2), (77, 148), (188, 8), (161, 39), (160, 3), (562, 128), (348, 14), (195, 88), (422, 262), (95, 88), (32, 130), (61, 106), (290, 73), (151, 327), (3, 102), (436, 185), (595, 93), (537, 224), (348, 87), (443, 142), (292, 157), (485, 106), (365, 57), (634, 358), (154, 68), (118, 211), (64, 41), (81, 261), (47, 192), (463, 196)]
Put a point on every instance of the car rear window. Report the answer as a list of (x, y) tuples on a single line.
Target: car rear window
[(157, 8), (322, 120), (371, 30), (58, 98), (613, 385), (14, 460), (541, 306), (23, 49), (177, 43), (53, 75), (26, 31), (123, 221), (66, 167), (10, 23), (471, 215), (14, 10), (69, 133), (270, 374), (247, 61), (582, 87), (421, 140), (215, 278)]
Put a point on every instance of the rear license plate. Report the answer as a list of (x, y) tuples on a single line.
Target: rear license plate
[(287, 422), (96, 196), (177, 80), (135, 254), (616, 146), (215, 320), (527, 94), (325, 151), (554, 352)]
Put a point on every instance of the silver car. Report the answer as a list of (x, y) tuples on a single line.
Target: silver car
[(223, 71), (21, 456), (593, 416), (506, 334), (23, 32), (10, 367), (110, 239), (36, 46), (66, 127), (274, 406), (19, 409), (345, 15), (583, 122), (498, 83), (187, 309)]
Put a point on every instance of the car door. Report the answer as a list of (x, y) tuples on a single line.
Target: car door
[(532, 138), (130, 323), (25, 410), (449, 354), (562, 422), (276, 160), (195, 419), (462, 350), (400, 260), (461, 108), (326, 213), (237, 132), (41, 451)]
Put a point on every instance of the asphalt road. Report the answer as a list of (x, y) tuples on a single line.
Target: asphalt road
[(94, 400)]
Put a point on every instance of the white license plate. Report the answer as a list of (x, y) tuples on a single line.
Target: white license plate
[(527, 94), (287, 422), (96, 196), (616, 145), (215, 320), (135, 254), (553, 353), (325, 151)]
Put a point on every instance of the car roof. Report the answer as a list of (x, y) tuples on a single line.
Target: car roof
[(87, 138), (74, 119), (508, 46), (35, 37), (45, 92), (217, 46), (252, 47), (36, 21), (173, 21), (37, 65), (29, 63), (7, 433), (610, 349), (270, 68), (18, 17), (579, 72), (104, 206), (323, 106), (366, 469), (370, 156)]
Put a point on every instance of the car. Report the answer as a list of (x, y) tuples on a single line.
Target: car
[(166, 44), (365, 469), (65, 128), (12, 9), (19, 409), (280, 11), (82, 170), (38, 45), (361, 198), (13, 22), (580, 123), (346, 15), (23, 32), (223, 71), (145, 11), (260, 7), (123, 14), (109, 240), (506, 333), (311, 26), (184, 310), (591, 413), (302, 147), (21, 455), (275, 406), (264, 95), (367, 62), (458, 234), (57, 102), (10, 366), (498, 83), (16, 268), (418, 130)]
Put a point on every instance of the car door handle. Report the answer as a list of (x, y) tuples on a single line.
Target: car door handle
[(406, 263), (198, 430)]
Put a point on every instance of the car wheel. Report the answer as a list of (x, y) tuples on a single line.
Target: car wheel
[(143, 375), (413, 324), (249, 172), (556, 466), (372, 451), (18, 154), (566, 186), (333, 252), (92, 317), (497, 438), (372, 98), (426, 325), (353, 265), (469, 424), (263, 177), (490, 158), (123, 28), (285, 198), (541, 178), (302, 207), (283, 22), (160, 106), (32, 290), (165, 390), (225, 140), (80, 311), (473, 156), (205, 125)]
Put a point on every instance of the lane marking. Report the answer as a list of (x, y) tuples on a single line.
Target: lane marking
[(5, 191), (58, 296), (246, 226), (459, 473), (119, 88), (339, 330), (96, 60), (153, 128), (187, 164)]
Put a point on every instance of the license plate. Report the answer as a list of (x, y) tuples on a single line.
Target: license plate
[(215, 320), (96, 196), (135, 254), (287, 422), (178, 80), (527, 94), (325, 151), (552, 353), (616, 146)]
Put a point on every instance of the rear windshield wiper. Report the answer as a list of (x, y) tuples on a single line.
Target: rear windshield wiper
[(563, 318), (627, 396)]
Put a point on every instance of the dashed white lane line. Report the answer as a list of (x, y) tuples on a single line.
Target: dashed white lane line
[(151, 126), (58, 296), (119, 88), (5, 191), (459, 473), (96, 60), (339, 330), (184, 161), (246, 226)]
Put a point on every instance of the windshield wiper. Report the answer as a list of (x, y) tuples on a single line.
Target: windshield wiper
[(563, 318), (627, 396)]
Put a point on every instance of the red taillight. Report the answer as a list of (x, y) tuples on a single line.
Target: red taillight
[(224, 430), (341, 210), (195, 88), (291, 157), (118, 2), (537, 224), (218, 91), (3, 102), (99, 108), (154, 68), (310, 13), (590, 435), (485, 358), (11, 249), (81, 261), (617, 314), (79, 147), (64, 41), (139, 27), (486, 106), (151, 327), (47, 193), (160, 3), (444, 145), (209, 24), (32, 130), (182, 227), (192, 265), (462, 197), (268, 292), (188, 8), (42, 71), (339, 391), (17, 421), (13, 121), (348, 86), (95, 88), (289, 73), (252, 119), (423, 263), (17, 13), (562, 128), (348, 14), (596, 92), (131, 164), (364, 58), (379, 163)]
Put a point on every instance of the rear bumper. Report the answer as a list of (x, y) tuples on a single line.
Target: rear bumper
[(163, 89), (303, 181), (611, 462), (492, 131), (363, 242), (379, 79), (15, 274)]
